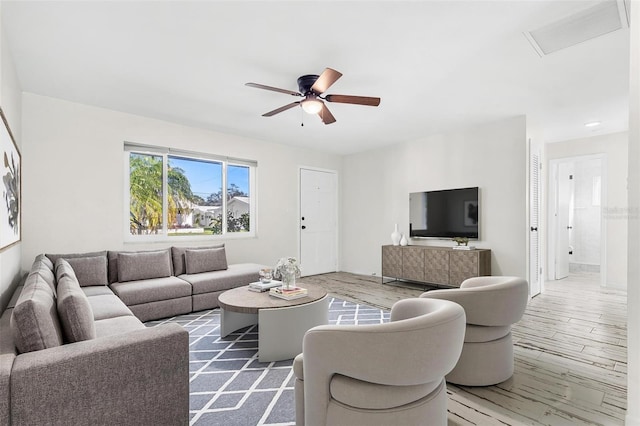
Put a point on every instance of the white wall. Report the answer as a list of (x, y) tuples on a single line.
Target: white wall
[(74, 190), (376, 187), (10, 100), (633, 290), (615, 147)]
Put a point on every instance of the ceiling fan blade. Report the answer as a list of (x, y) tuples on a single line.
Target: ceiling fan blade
[(347, 99), (279, 110), (325, 115), (273, 89), (326, 79)]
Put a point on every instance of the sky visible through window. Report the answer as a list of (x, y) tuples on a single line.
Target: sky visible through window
[(205, 177)]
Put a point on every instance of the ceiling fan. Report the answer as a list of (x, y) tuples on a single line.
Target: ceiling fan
[(311, 87)]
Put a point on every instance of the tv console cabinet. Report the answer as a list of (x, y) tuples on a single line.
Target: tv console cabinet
[(434, 265)]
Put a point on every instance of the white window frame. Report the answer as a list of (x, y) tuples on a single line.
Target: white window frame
[(165, 153)]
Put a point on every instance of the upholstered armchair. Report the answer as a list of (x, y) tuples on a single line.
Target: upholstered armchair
[(492, 304), (380, 374)]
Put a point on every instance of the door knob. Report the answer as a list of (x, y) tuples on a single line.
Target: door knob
[(534, 228), (304, 227)]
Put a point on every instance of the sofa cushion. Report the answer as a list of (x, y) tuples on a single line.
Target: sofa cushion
[(117, 325), (63, 268), (108, 306), (112, 261), (41, 258), (97, 290), (34, 320), (41, 267), (104, 303), (151, 290), (74, 311), (112, 268), (90, 270), (143, 265), (54, 257), (236, 275), (205, 260), (481, 333), (372, 396), (178, 257)]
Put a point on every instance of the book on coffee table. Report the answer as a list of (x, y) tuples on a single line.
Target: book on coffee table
[(260, 286), (288, 294)]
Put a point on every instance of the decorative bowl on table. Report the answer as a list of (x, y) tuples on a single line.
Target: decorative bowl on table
[(266, 275)]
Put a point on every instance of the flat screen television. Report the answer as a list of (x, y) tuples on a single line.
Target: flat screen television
[(447, 213)]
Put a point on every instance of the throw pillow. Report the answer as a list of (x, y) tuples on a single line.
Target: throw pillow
[(46, 273), (41, 258), (74, 311), (90, 270), (205, 260), (54, 257), (63, 268), (178, 255), (112, 260), (144, 265), (34, 321)]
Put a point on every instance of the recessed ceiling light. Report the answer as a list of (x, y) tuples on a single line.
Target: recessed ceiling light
[(592, 124)]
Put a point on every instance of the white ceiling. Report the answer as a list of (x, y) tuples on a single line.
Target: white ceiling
[(437, 66)]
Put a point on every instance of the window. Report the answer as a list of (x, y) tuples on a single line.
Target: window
[(173, 194)]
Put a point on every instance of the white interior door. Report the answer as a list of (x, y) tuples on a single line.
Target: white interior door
[(563, 219), (535, 271), (318, 221)]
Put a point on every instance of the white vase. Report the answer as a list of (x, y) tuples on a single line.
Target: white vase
[(395, 236), (403, 241), (288, 281)]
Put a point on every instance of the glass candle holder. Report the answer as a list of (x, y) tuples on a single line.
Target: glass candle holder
[(266, 275)]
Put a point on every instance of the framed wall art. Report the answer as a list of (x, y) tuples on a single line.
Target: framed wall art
[(10, 187)]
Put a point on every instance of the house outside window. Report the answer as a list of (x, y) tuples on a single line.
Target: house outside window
[(178, 194)]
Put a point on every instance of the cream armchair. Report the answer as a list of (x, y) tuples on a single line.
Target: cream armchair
[(492, 304), (380, 374)]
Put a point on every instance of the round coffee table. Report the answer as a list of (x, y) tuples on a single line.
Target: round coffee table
[(281, 323)]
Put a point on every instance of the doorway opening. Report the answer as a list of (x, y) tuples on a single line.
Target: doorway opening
[(576, 228)]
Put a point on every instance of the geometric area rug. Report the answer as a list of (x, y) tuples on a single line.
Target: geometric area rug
[(229, 386)]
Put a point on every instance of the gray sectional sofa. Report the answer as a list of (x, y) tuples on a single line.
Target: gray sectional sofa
[(74, 349)]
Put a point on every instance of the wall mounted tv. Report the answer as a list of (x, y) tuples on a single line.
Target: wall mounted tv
[(448, 213)]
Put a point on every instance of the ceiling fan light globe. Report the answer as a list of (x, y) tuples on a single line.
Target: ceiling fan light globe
[(311, 106)]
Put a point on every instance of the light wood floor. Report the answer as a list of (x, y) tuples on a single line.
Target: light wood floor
[(570, 354)]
